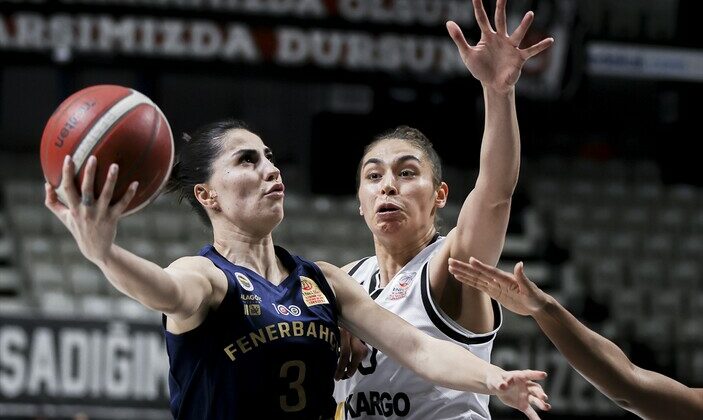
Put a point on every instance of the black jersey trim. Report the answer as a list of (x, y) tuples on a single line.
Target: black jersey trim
[(376, 293), (439, 322), (373, 285), (434, 238), (357, 266)]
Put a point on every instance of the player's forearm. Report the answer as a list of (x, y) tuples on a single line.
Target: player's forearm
[(452, 366), (648, 394), (500, 147), (598, 359), (662, 398), (139, 279), (437, 361)]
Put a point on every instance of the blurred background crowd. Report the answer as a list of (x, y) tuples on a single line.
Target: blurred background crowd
[(608, 214)]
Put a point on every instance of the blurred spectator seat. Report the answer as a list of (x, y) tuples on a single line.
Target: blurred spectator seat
[(131, 309), (46, 276), (10, 281), (10, 306), (57, 303), (96, 306), (29, 218), (85, 278)]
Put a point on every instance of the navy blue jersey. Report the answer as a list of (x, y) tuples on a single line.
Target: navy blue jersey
[(266, 352)]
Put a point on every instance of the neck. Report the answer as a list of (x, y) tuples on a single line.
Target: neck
[(250, 250), (394, 253)]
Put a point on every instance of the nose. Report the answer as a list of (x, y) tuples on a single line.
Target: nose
[(272, 173), (388, 187)]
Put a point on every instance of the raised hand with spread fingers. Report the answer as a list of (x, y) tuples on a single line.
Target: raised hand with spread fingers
[(497, 59)]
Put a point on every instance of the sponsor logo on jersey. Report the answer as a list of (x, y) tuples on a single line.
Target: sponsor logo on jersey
[(372, 403), (252, 310), (244, 282), (252, 297), (312, 295), (400, 289), (286, 310)]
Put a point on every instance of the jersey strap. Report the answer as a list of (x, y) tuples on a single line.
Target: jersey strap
[(447, 325), (357, 265)]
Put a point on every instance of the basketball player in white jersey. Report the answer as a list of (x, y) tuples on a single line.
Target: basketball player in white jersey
[(400, 191), (648, 394)]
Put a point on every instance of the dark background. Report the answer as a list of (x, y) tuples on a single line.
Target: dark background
[(318, 120)]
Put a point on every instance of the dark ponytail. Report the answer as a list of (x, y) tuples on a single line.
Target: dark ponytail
[(196, 155)]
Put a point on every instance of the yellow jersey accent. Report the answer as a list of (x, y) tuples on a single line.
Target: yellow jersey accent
[(312, 295), (339, 413)]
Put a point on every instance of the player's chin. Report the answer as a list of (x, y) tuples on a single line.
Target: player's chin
[(269, 216), (276, 211), (387, 227)]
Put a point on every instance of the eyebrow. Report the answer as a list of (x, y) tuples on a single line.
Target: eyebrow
[(243, 151), (401, 159)]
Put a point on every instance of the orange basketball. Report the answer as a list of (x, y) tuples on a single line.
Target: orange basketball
[(117, 125)]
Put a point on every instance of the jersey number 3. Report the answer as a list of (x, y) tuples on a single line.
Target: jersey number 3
[(288, 371)]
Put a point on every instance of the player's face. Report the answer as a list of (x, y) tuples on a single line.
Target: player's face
[(248, 186), (396, 192)]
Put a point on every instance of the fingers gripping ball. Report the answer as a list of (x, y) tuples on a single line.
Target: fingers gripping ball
[(117, 125)]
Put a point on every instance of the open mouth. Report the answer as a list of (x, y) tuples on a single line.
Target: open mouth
[(387, 208)]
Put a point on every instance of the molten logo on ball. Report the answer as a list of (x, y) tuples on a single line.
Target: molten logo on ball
[(72, 122), (116, 125)]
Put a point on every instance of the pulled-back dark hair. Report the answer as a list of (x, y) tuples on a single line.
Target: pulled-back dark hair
[(416, 138), (195, 158)]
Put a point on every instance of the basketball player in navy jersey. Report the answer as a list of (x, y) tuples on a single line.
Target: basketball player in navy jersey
[(648, 394), (400, 190), (251, 331)]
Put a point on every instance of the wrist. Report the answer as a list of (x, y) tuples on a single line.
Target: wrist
[(103, 260), (494, 378), (545, 304), (505, 92)]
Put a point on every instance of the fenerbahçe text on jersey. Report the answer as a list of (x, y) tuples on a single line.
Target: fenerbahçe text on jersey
[(268, 351)]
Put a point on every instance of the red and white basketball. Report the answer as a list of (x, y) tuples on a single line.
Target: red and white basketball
[(117, 125)]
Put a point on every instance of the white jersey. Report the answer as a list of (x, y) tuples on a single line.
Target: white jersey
[(382, 388)]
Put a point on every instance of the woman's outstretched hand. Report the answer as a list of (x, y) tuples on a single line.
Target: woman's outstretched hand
[(91, 221), (519, 390), (514, 291), (496, 60)]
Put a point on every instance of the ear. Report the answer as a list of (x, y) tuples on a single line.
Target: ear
[(441, 195), (206, 196)]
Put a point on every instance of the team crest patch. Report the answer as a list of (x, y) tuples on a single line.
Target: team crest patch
[(400, 289), (244, 282), (312, 295)]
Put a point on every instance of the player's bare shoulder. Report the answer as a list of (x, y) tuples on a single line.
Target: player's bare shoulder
[(190, 262), (195, 264), (200, 269)]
